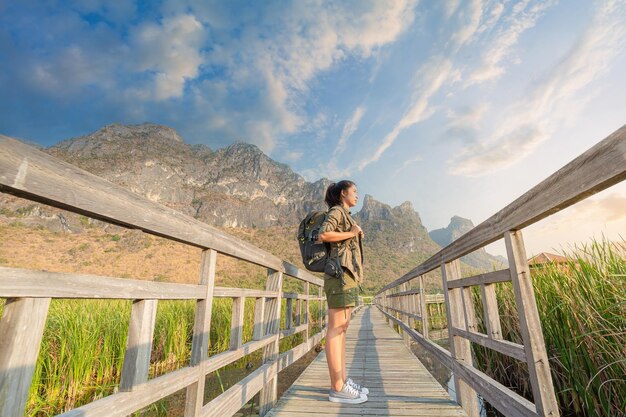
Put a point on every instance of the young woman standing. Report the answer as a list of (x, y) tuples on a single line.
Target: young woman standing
[(341, 284)]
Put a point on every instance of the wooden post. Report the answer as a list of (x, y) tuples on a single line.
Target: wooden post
[(201, 329), (138, 345), (460, 348), (423, 307), (530, 326), (405, 307), (21, 330), (259, 317), (298, 312), (236, 322), (490, 311), (320, 312), (289, 313), (306, 311), (268, 394)]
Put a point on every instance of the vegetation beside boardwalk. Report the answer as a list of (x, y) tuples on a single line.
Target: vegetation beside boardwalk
[(582, 307), (83, 347)]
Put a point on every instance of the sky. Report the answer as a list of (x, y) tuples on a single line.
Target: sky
[(456, 106)]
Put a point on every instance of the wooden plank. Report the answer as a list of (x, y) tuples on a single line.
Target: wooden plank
[(194, 398), (16, 282), (490, 311), (29, 173), (259, 315), (503, 275), (406, 292), (530, 326), (375, 355), (459, 348), (289, 313), (423, 312), (293, 330), (122, 404), (236, 322), (227, 292), (597, 169), (138, 345), (204, 308), (511, 349), (506, 401), (404, 313), (268, 394), (307, 290), (21, 327)]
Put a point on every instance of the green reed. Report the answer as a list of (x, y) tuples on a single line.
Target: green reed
[(582, 308), (82, 350)]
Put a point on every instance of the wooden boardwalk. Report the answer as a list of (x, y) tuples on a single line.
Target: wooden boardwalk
[(376, 356)]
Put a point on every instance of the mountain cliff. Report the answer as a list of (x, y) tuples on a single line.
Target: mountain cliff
[(478, 259), (239, 188)]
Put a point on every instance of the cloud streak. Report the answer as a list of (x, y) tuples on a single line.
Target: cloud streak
[(528, 123)]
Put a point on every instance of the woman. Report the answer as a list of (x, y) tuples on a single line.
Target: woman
[(342, 276)]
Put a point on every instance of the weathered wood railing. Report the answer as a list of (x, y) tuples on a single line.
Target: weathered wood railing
[(34, 175), (597, 169)]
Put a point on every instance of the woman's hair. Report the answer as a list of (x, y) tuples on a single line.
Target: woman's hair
[(333, 192)]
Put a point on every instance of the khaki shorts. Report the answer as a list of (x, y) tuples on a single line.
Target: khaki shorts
[(339, 296)]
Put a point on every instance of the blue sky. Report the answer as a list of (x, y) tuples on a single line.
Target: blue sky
[(456, 106)]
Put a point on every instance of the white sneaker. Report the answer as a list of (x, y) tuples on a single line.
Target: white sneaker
[(347, 395), (357, 386)]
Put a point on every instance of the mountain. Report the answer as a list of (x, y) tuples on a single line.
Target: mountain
[(479, 259), (237, 188)]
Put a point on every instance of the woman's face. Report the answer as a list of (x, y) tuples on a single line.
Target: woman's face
[(349, 196)]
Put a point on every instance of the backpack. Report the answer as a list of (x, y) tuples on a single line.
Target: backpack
[(314, 255)]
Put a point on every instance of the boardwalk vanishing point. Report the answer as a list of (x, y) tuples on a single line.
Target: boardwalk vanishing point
[(377, 357)]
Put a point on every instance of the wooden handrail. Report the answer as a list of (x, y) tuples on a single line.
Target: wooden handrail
[(32, 174), (597, 169), (29, 173)]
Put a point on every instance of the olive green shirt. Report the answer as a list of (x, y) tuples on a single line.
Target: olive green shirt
[(348, 251)]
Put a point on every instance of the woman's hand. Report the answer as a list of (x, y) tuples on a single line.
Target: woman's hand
[(356, 230)]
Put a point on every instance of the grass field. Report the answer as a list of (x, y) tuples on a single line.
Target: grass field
[(582, 307), (83, 345)]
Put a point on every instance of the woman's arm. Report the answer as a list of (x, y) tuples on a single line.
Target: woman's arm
[(339, 236)]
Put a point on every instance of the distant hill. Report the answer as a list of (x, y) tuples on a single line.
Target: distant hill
[(237, 188), (479, 259)]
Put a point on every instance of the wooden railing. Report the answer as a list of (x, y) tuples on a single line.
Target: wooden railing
[(34, 175), (597, 169)]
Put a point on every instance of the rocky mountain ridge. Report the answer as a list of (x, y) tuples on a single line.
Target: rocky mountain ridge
[(234, 187)]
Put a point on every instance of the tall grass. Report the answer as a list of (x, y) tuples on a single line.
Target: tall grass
[(82, 350), (582, 308)]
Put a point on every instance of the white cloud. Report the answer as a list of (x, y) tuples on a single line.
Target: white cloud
[(557, 101), (171, 50), (521, 19), (406, 163), (281, 49), (465, 123), (349, 128), (469, 20), (432, 77)]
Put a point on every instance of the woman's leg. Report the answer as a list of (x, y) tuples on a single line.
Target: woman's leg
[(344, 376), (336, 329)]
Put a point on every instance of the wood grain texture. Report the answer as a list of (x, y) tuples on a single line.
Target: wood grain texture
[(138, 345), (460, 348), (503, 399), (530, 327), (377, 357), (21, 330)]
